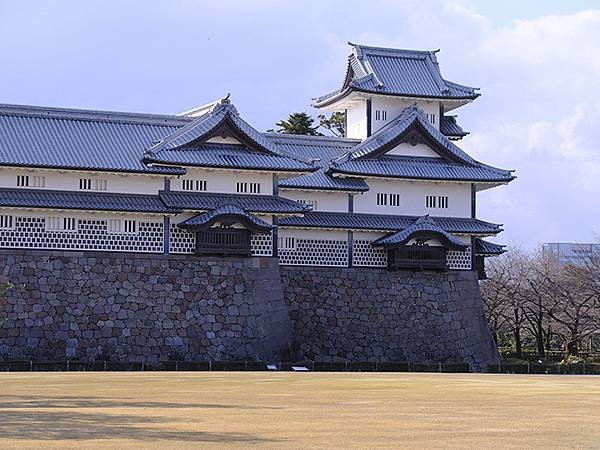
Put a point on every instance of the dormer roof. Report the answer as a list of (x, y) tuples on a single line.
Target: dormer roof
[(191, 146), (370, 158), (423, 226), (389, 71)]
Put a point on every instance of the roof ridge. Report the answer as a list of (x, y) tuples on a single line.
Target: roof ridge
[(91, 114), (275, 135), (391, 49)]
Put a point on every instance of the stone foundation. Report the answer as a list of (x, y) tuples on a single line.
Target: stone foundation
[(136, 307), (355, 314), (151, 308)]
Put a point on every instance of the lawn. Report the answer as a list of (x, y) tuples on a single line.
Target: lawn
[(297, 410)]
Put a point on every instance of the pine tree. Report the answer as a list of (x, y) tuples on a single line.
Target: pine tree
[(298, 123)]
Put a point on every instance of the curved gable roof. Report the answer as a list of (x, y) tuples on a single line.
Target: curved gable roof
[(187, 146), (422, 225), (369, 157), (389, 71)]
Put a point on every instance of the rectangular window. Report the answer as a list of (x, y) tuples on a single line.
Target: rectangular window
[(23, 180), (286, 243), (387, 199), (193, 185), (244, 187), (380, 114), (38, 181), (100, 185), (6, 222), (115, 226), (85, 184), (311, 203), (130, 226), (121, 226), (436, 201), (61, 224), (431, 118), (89, 184)]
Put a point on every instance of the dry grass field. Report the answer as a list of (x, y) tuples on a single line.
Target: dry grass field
[(297, 410)]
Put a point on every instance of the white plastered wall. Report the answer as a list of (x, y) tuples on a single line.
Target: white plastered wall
[(68, 180), (356, 119), (394, 107), (326, 201), (225, 181), (412, 198), (406, 149)]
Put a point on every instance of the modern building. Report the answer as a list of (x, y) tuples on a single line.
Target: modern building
[(396, 192), (570, 253)]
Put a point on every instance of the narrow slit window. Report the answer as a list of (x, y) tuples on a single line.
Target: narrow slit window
[(287, 243), (193, 185), (23, 180), (6, 222), (436, 201), (38, 181)]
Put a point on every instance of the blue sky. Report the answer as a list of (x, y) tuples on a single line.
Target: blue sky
[(535, 61)]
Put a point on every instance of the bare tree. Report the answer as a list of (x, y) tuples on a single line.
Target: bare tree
[(571, 299), (503, 295)]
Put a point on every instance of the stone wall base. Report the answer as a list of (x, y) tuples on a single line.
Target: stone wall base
[(136, 307), (151, 308), (356, 314)]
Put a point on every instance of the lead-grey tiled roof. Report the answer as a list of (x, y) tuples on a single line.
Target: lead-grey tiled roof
[(381, 222), (449, 127), (74, 200), (228, 156), (196, 201), (228, 211), (483, 247), (410, 117), (184, 146), (390, 71), (422, 224), (320, 150), (422, 168), (363, 159), (33, 136)]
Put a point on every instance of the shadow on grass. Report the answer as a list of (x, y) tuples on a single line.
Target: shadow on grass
[(26, 418)]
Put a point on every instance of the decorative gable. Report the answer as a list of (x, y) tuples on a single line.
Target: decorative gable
[(221, 138)]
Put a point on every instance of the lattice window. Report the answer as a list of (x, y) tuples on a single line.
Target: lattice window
[(261, 244), (89, 184), (193, 185), (316, 252), (6, 222), (181, 241), (89, 234), (244, 187), (459, 260), (23, 180), (436, 201), (365, 255), (388, 199)]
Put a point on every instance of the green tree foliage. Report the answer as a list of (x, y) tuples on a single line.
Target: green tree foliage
[(302, 123), (335, 123), (298, 123)]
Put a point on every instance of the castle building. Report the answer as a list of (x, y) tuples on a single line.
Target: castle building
[(396, 192)]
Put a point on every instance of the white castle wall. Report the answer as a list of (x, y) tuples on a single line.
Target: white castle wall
[(68, 180), (413, 198), (325, 201), (225, 181)]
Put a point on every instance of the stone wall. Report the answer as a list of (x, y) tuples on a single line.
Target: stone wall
[(136, 307), (354, 314)]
